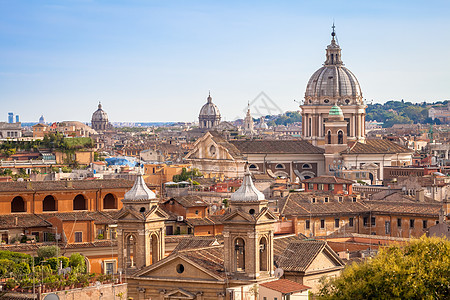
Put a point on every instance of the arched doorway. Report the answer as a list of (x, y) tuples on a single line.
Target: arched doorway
[(49, 203), (340, 137), (263, 258), (155, 248), (109, 202), (18, 205), (79, 203), (239, 248)]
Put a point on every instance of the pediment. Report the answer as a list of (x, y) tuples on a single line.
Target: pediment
[(266, 215), (179, 294), (169, 268), (128, 214), (238, 215), (156, 213)]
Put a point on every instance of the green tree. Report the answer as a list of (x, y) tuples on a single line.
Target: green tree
[(48, 251), (418, 270)]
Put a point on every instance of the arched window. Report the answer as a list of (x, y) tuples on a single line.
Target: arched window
[(109, 202), (310, 127), (306, 166), (79, 203), (263, 257), (329, 137), (18, 205), (49, 203), (131, 251), (340, 137), (155, 248), (279, 166), (239, 248)]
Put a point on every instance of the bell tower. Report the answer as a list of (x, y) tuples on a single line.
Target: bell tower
[(141, 229), (335, 136), (248, 234)]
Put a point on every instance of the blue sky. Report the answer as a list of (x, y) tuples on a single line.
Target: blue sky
[(156, 60)]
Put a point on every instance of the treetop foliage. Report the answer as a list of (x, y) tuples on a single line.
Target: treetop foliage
[(418, 270)]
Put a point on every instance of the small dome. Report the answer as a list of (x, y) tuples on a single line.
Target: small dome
[(247, 191), (139, 192), (209, 109), (336, 111), (100, 114)]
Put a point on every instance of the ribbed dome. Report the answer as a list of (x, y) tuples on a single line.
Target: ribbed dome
[(333, 81), (100, 114), (139, 192), (209, 109), (247, 191)]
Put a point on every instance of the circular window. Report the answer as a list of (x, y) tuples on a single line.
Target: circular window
[(142, 209), (326, 101), (347, 101), (212, 150), (180, 268), (310, 101), (251, 211)]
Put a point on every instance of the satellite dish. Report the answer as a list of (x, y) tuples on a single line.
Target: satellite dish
[(51, 297), (278, 272)]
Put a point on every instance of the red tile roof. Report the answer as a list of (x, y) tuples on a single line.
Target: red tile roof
[(285, 286)]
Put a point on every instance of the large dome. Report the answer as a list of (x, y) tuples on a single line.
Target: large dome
[(333, 82), (100, 114), (209, 109)]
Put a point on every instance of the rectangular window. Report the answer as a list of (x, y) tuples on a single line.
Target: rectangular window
[(399, 222), (326, 200), (313, 200), (411, 223), (344, 187), (357, 174), (350, 222), (366, 221), (336, 223), (354, 199), (320, 186), (387, 227), (340, 199), (372, 221), (109, 267), (310, 186), (307, 224), (331, 187), (425, 224), (322, 224), (78, 237)]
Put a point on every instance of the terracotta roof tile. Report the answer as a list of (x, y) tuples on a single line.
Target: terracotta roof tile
[(16, 186), (285, 286), (328, 179), (189, 201), (22, 221), (375, 146), (276, 146)]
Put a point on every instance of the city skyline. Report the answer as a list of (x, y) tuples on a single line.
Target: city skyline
[(156, 61)]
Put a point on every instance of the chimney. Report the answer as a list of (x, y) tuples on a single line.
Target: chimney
[(29, 186), (420, 195), (69, 184), (16, 221)]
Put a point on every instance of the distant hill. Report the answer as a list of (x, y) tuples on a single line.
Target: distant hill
[(400, 112)]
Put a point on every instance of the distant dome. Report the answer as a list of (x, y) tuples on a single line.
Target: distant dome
[(209, 109), (41, 119), (100, 119), (100, 114), (209, 116)]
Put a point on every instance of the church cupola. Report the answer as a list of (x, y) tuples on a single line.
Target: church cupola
[(140, 228), (248, 233)]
